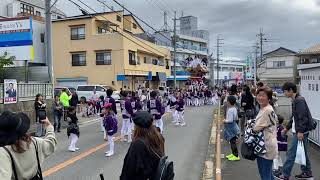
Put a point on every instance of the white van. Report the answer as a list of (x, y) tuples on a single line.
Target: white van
[(87, 91)]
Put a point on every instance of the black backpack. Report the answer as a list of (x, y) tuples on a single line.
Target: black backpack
[(164, 170)]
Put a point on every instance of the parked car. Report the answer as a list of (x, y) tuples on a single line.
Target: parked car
[(57, 90), (86, 91)]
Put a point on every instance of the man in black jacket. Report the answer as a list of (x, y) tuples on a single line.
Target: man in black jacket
[(299, 123)]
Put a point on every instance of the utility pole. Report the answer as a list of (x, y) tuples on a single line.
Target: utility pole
[(218, 57), (261, 39), (256, 47), (175, 49), (48, 36)]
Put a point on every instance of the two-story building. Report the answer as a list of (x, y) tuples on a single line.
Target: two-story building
[(278, 67), (103, 48), (230, 72)]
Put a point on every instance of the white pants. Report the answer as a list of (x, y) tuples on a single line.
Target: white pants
[(180, 117), (174, 115), (74, 139), (159, 124), (277, 162), (196, 101), (111, 144), (126, 129), (188, 102)]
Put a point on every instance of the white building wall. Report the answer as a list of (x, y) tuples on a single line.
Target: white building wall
[(39, 47), (3, 7), (310, 89)]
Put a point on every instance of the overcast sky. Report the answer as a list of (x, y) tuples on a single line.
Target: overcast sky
[(293, 24)]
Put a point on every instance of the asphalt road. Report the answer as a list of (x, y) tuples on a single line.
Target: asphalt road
[(185, 146)]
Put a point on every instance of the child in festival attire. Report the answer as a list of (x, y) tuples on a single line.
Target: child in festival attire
[(110, 124), (156, 110), (180, 111), (73, 130), (127, 113)]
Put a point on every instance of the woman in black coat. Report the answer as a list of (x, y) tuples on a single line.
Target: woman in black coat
[(145, 151)]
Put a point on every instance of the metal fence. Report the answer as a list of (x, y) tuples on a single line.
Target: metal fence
[(315, 135), (28, 91)]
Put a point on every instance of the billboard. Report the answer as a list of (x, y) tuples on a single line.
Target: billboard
[(16, 37), (10, 91)]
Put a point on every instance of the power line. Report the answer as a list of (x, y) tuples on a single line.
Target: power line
[(113, 28)]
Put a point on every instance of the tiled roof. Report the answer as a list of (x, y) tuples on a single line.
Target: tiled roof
[(312, 50)]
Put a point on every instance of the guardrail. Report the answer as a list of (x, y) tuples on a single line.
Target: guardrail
[(315, 135), (28, 91)]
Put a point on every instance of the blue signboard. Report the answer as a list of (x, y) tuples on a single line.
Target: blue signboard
[(15, 32), (121, 77)]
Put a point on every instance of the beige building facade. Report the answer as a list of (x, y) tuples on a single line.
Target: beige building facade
[(103, 49)]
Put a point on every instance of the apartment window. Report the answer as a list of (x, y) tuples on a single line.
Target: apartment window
[(309, 87), (145, 61), (155, 61), (78, 33), (79, 59), (119, 18), (312, 87), (26, 9), (134, 26), (132, 58), (317, 87), (279, 64), (103, 58), (38, 13), (239, 69), (42, 37), (101, 30), (225, 69)]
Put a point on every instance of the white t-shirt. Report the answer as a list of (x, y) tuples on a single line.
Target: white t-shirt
[(232, 115), (293, 126)]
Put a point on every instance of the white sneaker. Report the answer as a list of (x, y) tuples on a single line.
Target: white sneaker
[(177, 123), (72, 150), (77, 149), (109, 154), (183, 124)]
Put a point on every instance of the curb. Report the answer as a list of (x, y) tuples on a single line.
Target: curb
[(209, 169)]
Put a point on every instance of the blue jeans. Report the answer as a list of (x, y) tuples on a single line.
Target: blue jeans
[(291, 156), (265, 168)]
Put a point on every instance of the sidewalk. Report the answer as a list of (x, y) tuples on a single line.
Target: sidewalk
[(246, 169)]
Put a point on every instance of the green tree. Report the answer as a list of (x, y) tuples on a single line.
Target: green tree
[(5, 60)]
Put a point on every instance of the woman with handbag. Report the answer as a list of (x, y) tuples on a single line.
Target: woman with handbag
[(266, 124), (40, 109), (21, 155)]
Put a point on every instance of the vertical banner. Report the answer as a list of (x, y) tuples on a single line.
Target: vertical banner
[(10, 91)]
